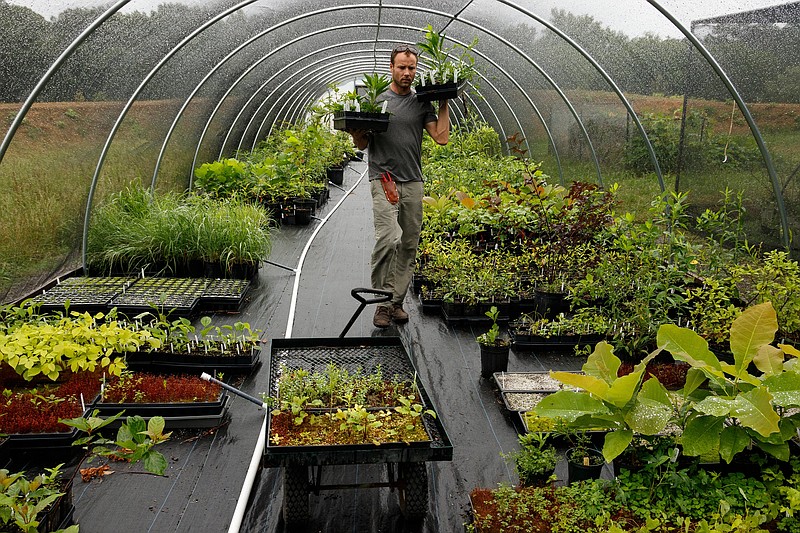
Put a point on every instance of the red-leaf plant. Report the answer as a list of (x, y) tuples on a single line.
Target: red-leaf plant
[(141, 387), (38, 409)]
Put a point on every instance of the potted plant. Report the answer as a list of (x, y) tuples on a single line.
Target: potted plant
[(584, 462), (747, 404), (536, 459), (448, 72), (357, 112), (494, 347), (605, 401)]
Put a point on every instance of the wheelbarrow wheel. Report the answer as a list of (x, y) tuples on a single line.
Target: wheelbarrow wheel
[(414, 490), (295, 494)]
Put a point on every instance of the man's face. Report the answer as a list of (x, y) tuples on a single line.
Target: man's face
[(403, 69)]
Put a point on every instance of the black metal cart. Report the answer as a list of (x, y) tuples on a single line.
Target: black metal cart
[(405, 462)]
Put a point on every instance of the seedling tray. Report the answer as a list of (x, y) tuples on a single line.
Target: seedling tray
[(224, 294), (359, 120), (176, 416), (84, 293), (185, 362), (439, 91), (178, 295), (172, 410), (554, 342), (314, 354)]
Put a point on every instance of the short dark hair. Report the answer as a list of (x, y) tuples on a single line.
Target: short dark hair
[(404, 48)]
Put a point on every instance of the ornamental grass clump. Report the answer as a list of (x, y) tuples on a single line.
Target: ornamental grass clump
[(138, 230)]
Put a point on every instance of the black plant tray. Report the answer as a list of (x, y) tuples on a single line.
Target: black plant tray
[(84, 293), (178, 409), (244, 362), (360, 120), (438, 91), (28, 441), (176, 416), (353, 352), (224, 294), (554, 342), (430, 306), (179, 295), (478, 319), (59, 514)]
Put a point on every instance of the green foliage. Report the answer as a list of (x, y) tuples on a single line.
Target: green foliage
[(23, 500), (737, 407), (376, 85), (492, 337), (49, 346), (701, 147), (775, 279), (536, 459), (621, 405), (453, 64), (134, 441), (136, 229), (221, 179)]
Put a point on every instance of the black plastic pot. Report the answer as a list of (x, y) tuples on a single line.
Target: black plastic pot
[(493, 359), (550, 304), (580, 470), (336, 175)]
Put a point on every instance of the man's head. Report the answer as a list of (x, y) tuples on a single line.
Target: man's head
[(403, 67)]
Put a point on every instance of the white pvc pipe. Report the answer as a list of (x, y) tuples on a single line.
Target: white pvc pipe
[(255, 460)]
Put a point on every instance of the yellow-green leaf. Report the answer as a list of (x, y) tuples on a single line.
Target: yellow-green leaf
[(755, 327), (754, 410), (769, 360), (615, 443), (686, 345), (602, 363), (588, 383)]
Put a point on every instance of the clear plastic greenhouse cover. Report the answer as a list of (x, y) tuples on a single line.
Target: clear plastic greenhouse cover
[(98, 94)]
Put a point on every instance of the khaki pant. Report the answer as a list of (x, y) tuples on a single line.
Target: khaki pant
[(397, 229)]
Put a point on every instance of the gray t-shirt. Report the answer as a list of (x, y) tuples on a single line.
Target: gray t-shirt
[(398, 150)]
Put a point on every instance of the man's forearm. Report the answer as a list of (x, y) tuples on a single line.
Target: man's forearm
[(443, 124)]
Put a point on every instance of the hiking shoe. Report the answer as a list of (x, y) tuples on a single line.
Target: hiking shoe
[(382, 318), (398, 314)]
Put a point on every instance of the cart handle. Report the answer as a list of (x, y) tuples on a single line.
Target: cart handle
[(382, 296)]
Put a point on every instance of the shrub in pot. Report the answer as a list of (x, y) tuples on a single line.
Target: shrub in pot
[(536, 459), (494, 347)]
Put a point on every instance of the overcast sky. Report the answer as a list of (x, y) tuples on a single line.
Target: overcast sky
[(633, 17)]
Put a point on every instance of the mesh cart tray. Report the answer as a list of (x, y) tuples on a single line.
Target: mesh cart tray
[(314, 354)]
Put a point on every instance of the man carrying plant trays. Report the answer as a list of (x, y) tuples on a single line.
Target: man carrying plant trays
[(395, 175)]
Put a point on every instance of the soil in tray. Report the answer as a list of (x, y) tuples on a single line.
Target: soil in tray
[(539, 381), (522, 401), (339, 427)]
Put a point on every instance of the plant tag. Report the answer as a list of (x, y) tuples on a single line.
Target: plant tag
[(83, 404), (585, 461), (358, 107), (347, 105), (385, 104), (455, 76), (422, 80)]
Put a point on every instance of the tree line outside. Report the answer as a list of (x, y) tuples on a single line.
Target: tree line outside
[(760, 59)]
